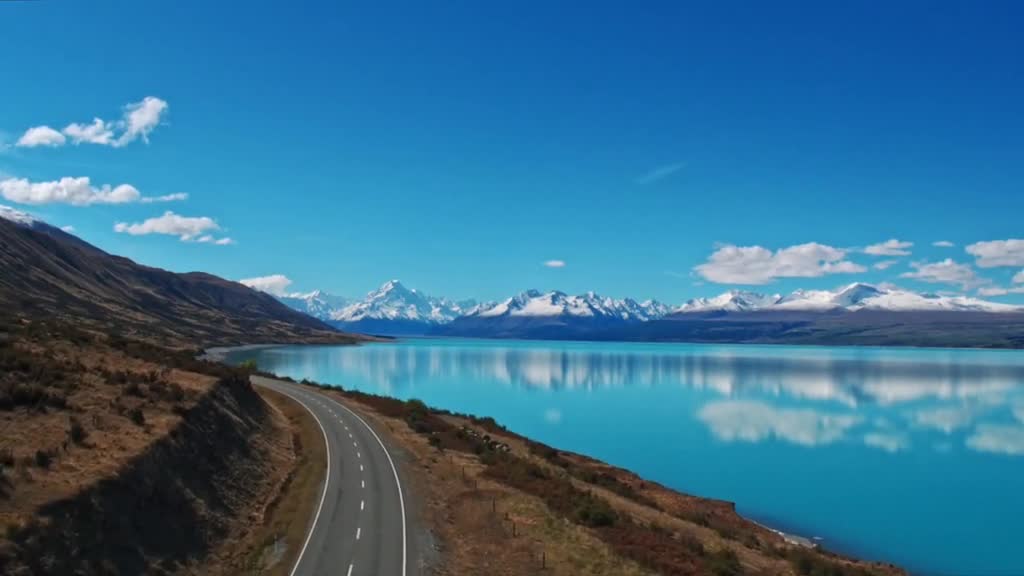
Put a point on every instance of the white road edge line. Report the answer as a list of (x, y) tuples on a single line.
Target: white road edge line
[(323, 494), (398, 483)]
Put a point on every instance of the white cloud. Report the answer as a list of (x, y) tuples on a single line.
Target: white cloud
[(891, 247), (99, 132), (165, 198), (137, 121), (75, 191), (1018, 278), (895, 442), (997, 438), (944, 272), (943, 244), (67, 190), (997, 291), (555, 263), (751, 421), (187, 229), (140, 119), (210, 239), (660, 173), (41, 136), (998, 253), (884, 264), (732, 264), (276, 284), (69, 229)]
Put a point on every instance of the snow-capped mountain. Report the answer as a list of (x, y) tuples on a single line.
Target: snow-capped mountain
[(396, 310), (533, 303), (393, 301), (731, 301), (318, 304), (535, 314), (853, 297)]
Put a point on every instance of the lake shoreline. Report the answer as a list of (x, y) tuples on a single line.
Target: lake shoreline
[(220, 354), (782, 431)]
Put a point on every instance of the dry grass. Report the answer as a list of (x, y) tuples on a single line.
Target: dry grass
[(502, 504), (151, 462), (101, 406), (274, 544), (473, 516)]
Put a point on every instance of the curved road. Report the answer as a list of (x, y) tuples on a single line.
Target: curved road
[(360, 525)]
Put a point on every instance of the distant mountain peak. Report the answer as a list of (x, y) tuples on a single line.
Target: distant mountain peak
[(852, 297), (533, 303), (731, 301)]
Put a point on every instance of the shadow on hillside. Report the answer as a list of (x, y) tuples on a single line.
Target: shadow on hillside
[(166, 508)]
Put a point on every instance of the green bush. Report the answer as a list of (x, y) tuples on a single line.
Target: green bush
[(6, 458), (724, 562), (137, 416), (595, 512), (43, 459), (77, 432)]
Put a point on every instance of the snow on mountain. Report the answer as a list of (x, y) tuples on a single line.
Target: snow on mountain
[(17, 216), (855, 296), (393, 301), (731, 301), (394, 305), (533, 303), (905, 300), (317, 303)]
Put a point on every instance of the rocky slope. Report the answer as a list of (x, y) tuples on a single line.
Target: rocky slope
[(49, 273)]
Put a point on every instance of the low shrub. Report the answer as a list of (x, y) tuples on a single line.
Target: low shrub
[(724, 562), (137, 417), (77, 432), (43, 458), (6, 458)]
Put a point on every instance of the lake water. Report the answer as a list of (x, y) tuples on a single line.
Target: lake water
[(905, 455)]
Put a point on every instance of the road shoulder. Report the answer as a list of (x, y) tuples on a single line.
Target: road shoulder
[(275, 543)]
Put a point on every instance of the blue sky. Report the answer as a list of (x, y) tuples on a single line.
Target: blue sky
[(664, 151)]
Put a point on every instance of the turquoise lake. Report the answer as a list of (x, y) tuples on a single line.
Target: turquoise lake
[(911, 456)]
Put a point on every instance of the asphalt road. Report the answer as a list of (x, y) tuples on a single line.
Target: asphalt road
[(360, 523)]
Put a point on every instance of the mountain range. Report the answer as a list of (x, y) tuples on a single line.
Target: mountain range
[(857, 313), (850, 298), (51, 274)]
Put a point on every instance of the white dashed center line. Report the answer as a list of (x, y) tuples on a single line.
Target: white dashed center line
[(362, 504), (349, 570), (359, 531)]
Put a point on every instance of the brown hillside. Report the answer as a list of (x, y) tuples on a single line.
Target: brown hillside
[(48, 273)]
